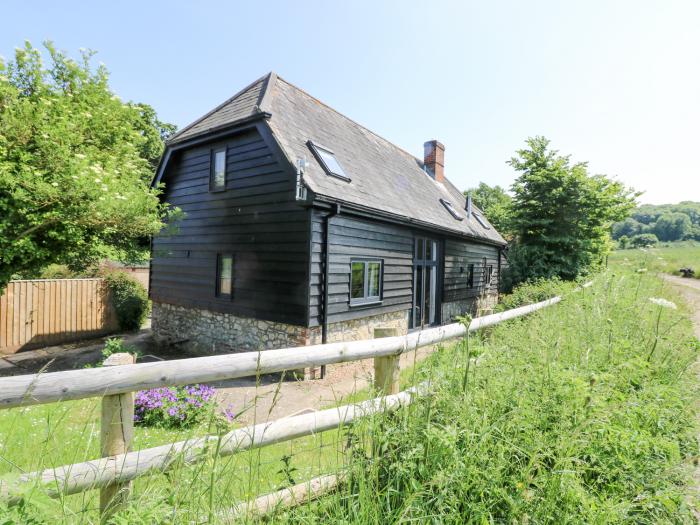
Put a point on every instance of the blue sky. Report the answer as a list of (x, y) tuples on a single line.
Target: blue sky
[(616, 83)]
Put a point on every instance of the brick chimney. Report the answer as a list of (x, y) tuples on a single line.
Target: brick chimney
[(434, 159)]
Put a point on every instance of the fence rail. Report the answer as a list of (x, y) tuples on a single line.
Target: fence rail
[(44, 312), (37, 389), (117, 470)]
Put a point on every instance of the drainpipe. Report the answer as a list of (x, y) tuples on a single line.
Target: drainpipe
[(326, 277)]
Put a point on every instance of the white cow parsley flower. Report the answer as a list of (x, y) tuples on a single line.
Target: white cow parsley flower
[(663, 302)]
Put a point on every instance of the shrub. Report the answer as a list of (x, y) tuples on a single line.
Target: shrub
[(644, 240), (130, 300), (533, 292), (175, 407)]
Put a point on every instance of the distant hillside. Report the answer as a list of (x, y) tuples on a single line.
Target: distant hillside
[(668, 222)]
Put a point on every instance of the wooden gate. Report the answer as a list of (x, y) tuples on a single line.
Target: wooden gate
[(45, 312)]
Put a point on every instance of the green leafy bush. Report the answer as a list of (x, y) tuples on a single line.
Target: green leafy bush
[(130, 300), (533, 292)]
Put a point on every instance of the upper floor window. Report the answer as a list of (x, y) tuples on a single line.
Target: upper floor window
[(451, 209), (224, 275), (365, 281), (329, 162), (217, 174)]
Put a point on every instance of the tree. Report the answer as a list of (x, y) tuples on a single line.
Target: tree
[(75, 164), (561, 215), (644, 240), (495, 203), (673, 226), (628, 227)]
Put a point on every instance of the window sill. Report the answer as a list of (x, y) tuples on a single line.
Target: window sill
[(365, 303)]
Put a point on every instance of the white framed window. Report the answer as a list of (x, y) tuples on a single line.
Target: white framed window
[(366, 276)]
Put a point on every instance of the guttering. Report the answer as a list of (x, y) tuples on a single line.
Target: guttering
[(402, 219), (326, 276)]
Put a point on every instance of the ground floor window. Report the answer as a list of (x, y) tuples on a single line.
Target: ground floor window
[(224, 275), (365, 281)]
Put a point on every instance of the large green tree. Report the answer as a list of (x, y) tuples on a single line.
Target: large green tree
[(561, 215), (495, 203), (75, 164)]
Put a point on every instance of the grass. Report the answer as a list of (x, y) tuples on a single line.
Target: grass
[(581, 413), (666, 258)]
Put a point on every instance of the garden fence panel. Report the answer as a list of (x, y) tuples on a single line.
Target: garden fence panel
[(43, 312)]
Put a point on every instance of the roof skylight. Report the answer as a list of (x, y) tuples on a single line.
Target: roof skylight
[(481, 220), (451, 209), (328, 161)]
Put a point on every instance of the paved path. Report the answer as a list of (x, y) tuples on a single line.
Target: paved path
[(690, 290)]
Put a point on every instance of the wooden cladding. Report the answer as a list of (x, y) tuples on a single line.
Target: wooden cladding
[(52, 311)]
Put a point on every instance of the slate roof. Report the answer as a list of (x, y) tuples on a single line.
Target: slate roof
[(383, 176)]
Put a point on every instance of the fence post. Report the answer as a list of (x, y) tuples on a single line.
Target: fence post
[(386, 369), (116, 436)]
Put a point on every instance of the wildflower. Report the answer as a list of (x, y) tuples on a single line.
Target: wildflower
[(663, 302), (54, 184)]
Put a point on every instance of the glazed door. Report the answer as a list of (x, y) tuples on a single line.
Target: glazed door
[(425, 279)]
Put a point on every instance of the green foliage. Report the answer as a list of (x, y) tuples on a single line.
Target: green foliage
[(666, 258), (643, 240), (669, 222), (564, 421), (496, 205), (130, 300), (534, 291), (75, 164), (673, 227), (561, 215)]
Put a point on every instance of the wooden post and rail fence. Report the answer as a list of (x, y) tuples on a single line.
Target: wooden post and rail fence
[(113, 472)]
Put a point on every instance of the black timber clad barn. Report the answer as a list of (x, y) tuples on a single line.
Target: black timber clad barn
[(301, 226)]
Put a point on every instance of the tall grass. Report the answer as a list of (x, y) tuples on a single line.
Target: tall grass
[(581, 413), (569, 417)]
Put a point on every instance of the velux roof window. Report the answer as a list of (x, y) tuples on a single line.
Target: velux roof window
[(481, 220), (327, 159), (451, 209)]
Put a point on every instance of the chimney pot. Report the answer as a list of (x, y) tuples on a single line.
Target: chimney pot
[(434, 159)]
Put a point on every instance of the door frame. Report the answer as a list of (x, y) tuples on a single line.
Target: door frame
[(438, 265)]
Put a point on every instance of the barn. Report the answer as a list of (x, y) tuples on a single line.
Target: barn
[(302, 226)]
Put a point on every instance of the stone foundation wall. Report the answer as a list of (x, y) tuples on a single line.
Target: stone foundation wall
[(475, 306), (204, 332), (362, 328)]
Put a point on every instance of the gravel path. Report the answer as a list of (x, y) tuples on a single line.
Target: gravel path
[(270, 398)]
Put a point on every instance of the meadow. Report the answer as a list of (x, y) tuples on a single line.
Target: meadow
[(666, 258), (581, 413)]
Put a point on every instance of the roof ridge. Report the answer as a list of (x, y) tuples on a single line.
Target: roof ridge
[(224, 103), (348, 118)]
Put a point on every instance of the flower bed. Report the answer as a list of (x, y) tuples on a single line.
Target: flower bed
[(176, 407)]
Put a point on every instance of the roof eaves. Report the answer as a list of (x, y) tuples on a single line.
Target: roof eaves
[(174, 138), (407, 220)]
